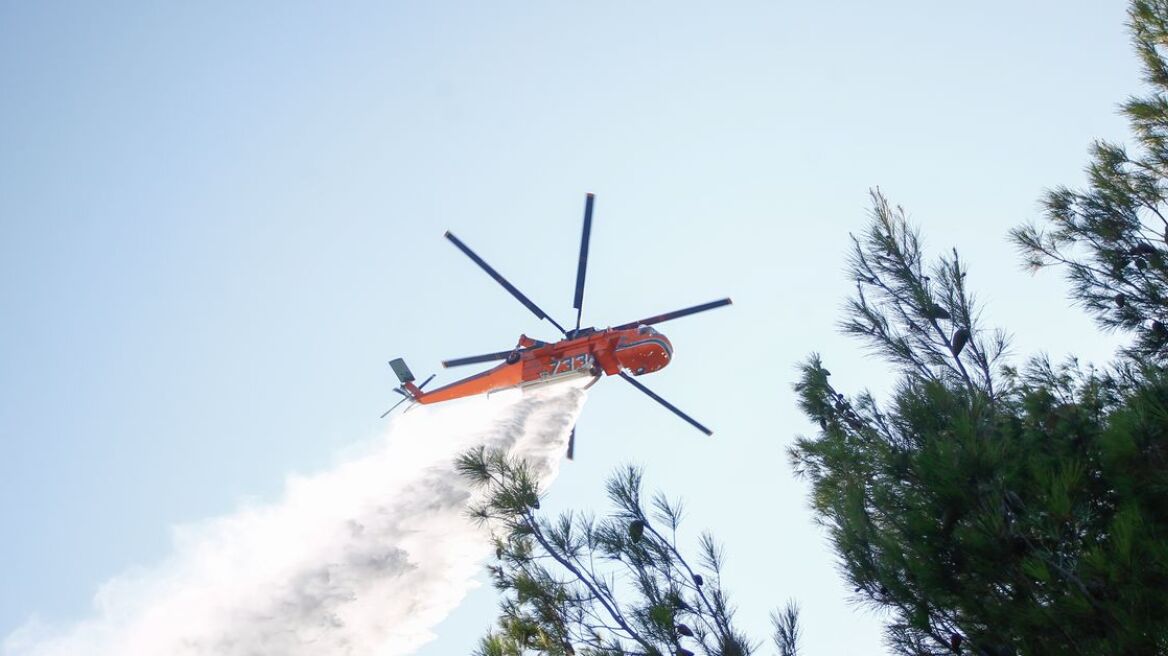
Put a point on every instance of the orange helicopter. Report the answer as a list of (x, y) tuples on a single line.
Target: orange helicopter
[(634, 347)]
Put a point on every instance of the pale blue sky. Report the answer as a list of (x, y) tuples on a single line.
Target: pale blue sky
[(219, 220)]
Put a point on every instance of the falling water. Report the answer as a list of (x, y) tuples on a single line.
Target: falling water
[(365, 558)]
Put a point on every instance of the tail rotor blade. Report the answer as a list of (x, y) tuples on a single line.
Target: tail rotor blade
[(502, 281), (395, 405), (674, 409), (406, 396), (585, 238), (676, 314)]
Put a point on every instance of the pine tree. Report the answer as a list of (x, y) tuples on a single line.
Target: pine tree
[(615, 586), (988, 510), (1000, 511)]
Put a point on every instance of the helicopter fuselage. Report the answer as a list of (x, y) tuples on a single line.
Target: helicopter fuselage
[(639, 350)]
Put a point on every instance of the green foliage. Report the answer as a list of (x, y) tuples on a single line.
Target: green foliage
[(988, 510), (786, 625), (614, 586), (912, 313), (992, 510), (1110, 237)]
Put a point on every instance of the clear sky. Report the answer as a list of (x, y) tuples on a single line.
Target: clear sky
[(219, 220)]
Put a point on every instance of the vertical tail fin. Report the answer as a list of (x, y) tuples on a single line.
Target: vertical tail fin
[(403, 372)]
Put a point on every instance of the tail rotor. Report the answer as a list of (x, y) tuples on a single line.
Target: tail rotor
[(408, 390)]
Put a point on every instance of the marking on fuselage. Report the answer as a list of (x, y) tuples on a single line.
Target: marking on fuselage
[(569, 365)]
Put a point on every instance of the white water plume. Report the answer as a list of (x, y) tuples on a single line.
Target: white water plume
[(363, 559)]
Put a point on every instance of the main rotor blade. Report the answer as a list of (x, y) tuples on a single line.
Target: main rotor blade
[(693, 422), (585, 238), (676, 314), (475, 359), (501, 280)]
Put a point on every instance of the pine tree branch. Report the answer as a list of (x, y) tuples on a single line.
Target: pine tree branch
[(610, 605)]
